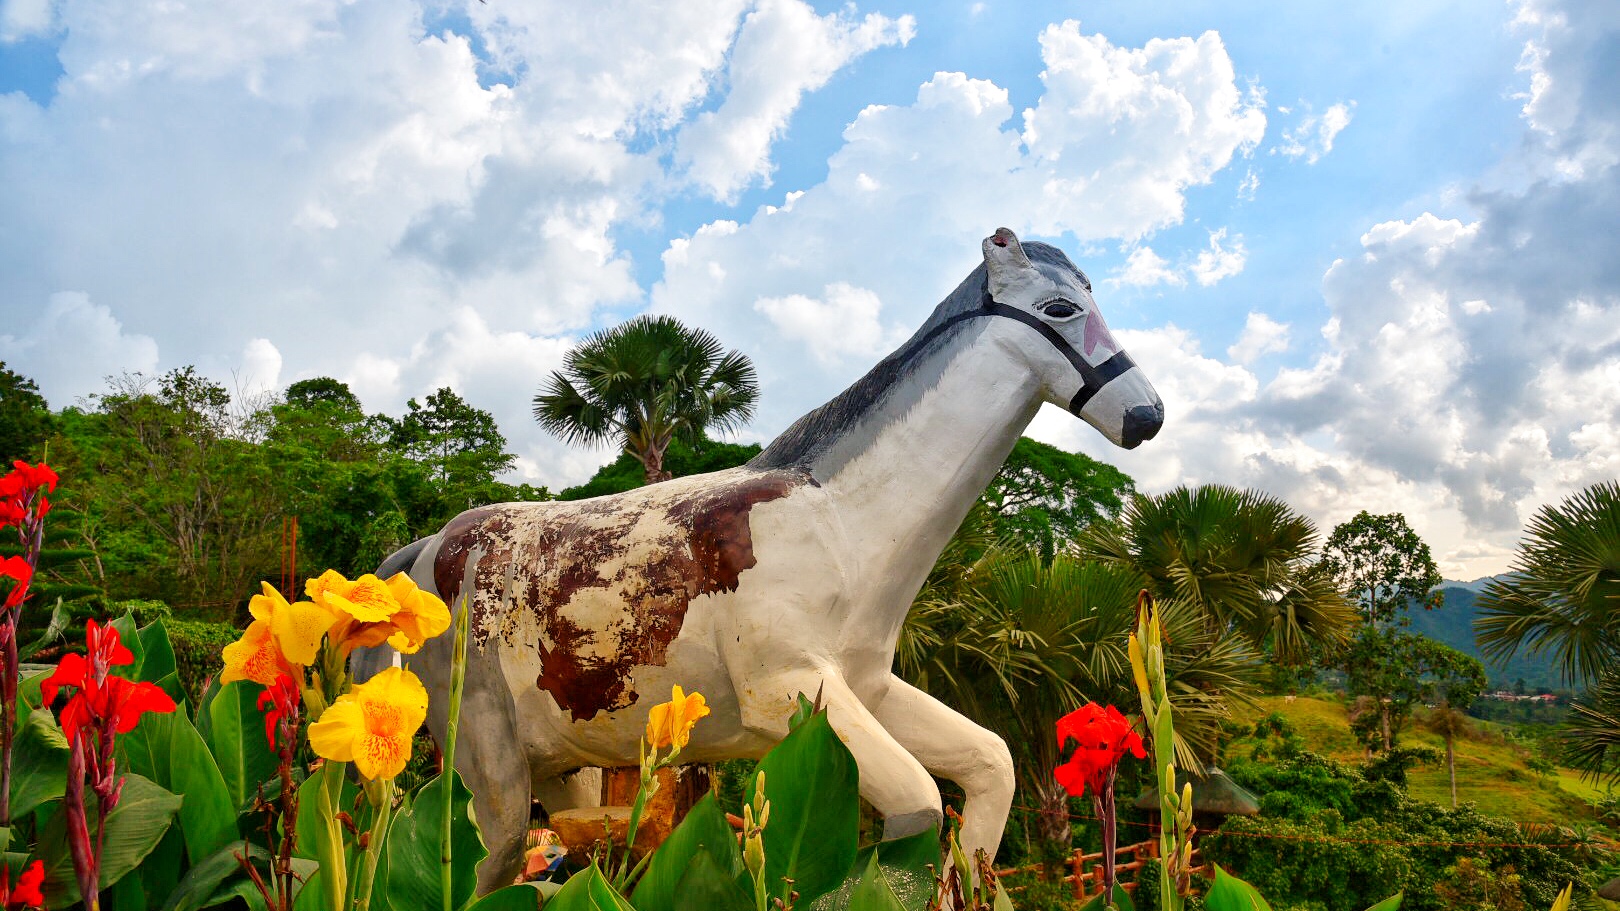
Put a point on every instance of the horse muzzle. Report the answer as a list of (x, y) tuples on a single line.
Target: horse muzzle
[(1141, 423)]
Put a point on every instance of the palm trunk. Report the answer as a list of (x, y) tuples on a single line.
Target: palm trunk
[(1052, 828), (1451, 769), (652, 466)]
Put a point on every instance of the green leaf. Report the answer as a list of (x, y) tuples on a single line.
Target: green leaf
[(39, 763), (905, 863), (61, 618), (157, 662), (703, 831), (169, 751), (706, 887), (160, 872), (128, 894), (206, 878), (587, 890), (1122, 900), (1393, 903), (134, 828), (415, 840), (812, 784), (872, 891), (523, 897), (1232, 894), (233, 727)]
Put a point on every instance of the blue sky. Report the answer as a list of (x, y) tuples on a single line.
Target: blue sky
[(1364, 250)]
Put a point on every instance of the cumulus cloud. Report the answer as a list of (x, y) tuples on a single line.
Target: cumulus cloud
[(21, 19), (783, 51), (73, 344), (1311, 137), (1261, 336), (1221, 259), (842, 322)]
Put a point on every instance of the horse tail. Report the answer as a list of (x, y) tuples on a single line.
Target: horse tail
[(365, 663)]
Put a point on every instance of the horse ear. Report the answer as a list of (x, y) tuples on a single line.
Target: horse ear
[(1008, 266)]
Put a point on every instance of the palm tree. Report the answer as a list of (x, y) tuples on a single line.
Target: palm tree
[(1562, 596), (643, 383), (1016, 642), (1241, 558), (1450, 723)]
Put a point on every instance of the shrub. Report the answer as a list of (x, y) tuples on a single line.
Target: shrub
[(197, 645)]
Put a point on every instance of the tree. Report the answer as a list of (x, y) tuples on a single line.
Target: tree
[(1016, 641), (1043, 497), (1240, 558), (25, 418), (1382, 563), (1560, 598), (1457, 680), (643, 383), (1397, 670), (460, 444)]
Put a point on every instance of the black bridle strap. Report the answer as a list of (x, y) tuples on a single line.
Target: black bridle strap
[(1093, 379)]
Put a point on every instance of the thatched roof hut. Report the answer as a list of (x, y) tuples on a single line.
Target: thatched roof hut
[(1214, 794)]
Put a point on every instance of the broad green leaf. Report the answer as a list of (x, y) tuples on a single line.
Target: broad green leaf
[(128, 894), (168, 750), (905, 865), (205, 878), (525, 897), (707, 887), (414, 843), (233, 727), (134, 828), (157, 661), (1122, 900), (703, 831), (160, 872), (38, 763), (1393, 903), (587, 890), (61, 619), (812, 784), (1232, 894), (872, 891)]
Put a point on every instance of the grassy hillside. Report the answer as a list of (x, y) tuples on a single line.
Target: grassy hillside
[(1491, 770)]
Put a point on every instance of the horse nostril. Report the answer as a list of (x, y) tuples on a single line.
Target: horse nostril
[(1141, 423)]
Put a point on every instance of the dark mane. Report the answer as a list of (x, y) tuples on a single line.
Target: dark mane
[(811, 436)]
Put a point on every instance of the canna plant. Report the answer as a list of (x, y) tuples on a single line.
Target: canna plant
[(1095, 739)]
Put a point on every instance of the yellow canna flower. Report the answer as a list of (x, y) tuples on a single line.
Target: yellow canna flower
[(296, 628), (372, 724), (254, 657), (421, 614), (362, 609), (670, 723)]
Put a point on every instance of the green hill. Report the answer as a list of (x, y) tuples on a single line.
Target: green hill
[(1453, 624), (1491, 766)]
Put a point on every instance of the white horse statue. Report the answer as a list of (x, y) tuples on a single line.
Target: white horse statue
[(791, 574)]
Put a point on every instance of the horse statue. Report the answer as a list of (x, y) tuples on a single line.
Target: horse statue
[(790, 574)]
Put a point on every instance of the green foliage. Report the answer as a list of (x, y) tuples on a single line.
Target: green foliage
[(415, 840), (683, 458), (25, 418), (134, 828), (1400, 670), (1382, 563), (1329, 837), (1043, 497), (1241, 559), (197, 645)]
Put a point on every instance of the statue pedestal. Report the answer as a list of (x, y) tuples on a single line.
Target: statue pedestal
[(581, 828)]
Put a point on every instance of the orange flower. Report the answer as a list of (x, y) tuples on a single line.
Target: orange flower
[(671, 723), (372, 724), (255, 657), (362, 609)]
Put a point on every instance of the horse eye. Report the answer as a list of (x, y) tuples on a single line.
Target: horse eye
[(1061, 310)]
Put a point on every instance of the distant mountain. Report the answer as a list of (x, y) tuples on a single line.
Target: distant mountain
[(1453, 624), (1477, 586)]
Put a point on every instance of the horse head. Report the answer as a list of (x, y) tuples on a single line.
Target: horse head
[(1082, 368)]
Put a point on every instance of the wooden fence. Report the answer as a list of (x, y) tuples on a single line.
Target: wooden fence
[(1086, 872)]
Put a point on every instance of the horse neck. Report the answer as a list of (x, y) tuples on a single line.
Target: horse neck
[(924, 459)]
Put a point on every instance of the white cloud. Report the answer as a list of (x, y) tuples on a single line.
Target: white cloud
[(20, 19), (783, 51), (1144, 268), (1223, 259), (842, 323), (73, 344), (1311, 138), (1261, 336), (261, 367)]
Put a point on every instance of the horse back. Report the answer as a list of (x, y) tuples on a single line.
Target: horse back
[(586, 592)]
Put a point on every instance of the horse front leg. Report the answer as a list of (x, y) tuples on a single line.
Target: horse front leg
[(954, 748), (894, 783)]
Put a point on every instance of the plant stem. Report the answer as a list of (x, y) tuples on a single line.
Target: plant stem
[(334, 869), (458, 677), (374, 846)]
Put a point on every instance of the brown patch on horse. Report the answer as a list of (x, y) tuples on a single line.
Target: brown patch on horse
[(606, 582)]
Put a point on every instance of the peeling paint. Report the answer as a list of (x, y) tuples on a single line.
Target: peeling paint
[(602, 586)]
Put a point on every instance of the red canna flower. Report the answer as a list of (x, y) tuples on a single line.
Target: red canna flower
[(27, 892), (35, 476), (280, 701), (20, 572), (1101, 737), (103, 701)]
